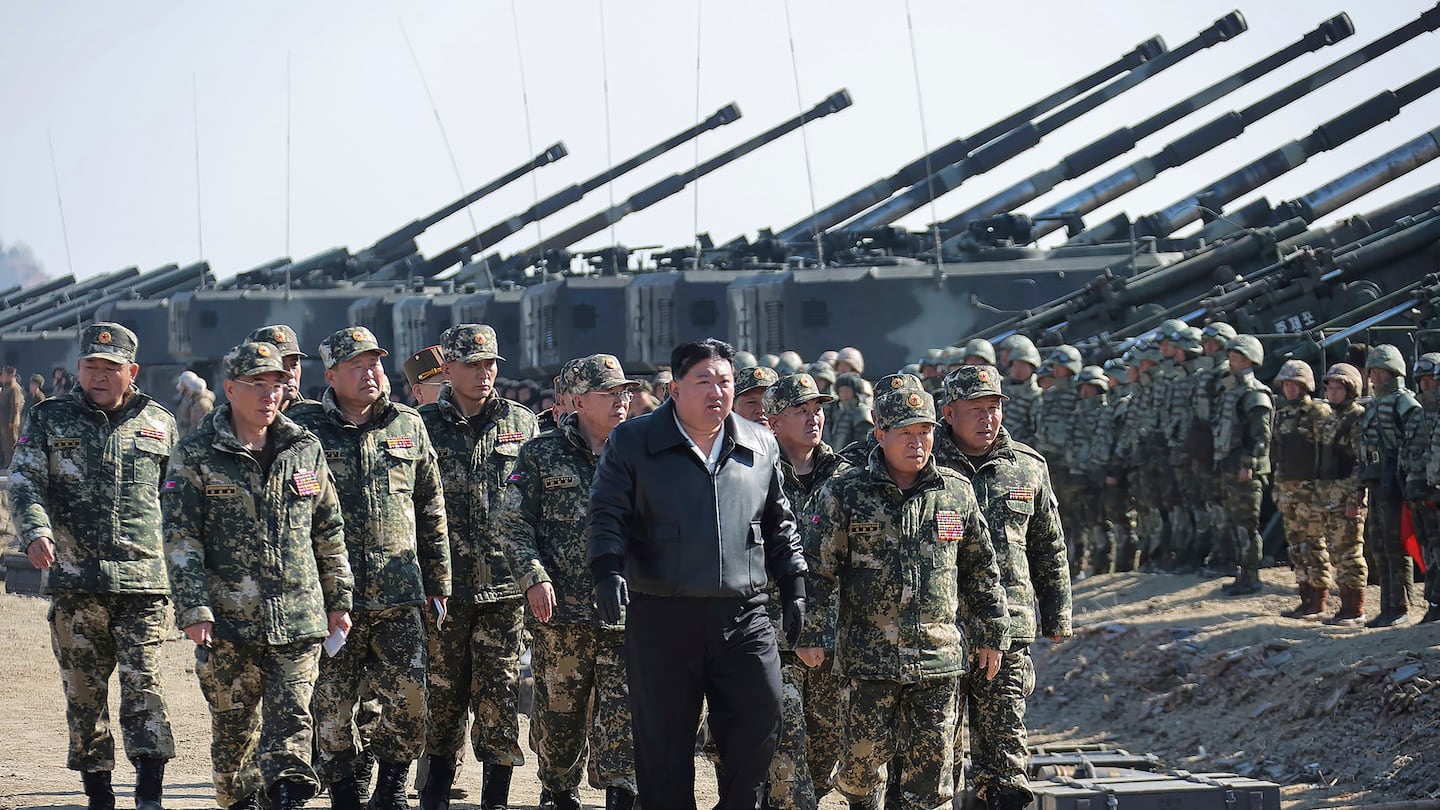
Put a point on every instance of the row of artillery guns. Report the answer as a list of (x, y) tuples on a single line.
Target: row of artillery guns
[(845, 274)]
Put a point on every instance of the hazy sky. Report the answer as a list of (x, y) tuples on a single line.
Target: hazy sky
[(119, 89)]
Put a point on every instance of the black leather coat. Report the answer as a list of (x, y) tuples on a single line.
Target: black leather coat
[(676, 529)]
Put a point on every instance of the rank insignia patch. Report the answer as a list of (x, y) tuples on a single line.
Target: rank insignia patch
[(306, 483), (950, 525)]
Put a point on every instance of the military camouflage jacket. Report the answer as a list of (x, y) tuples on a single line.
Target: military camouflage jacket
[(857, 453), (1023, 407), (388, 481), (541, 521), (828, 464), (1382, 432), (1339, 437), (1415, 458), (1056, 418), (1242, 427), (892, 570), (1180, 411), (1012, 485), (1295, 439), (1091, 442), (91, 483), (476, 458), (1113, 433), (852, 422), (259, 553)]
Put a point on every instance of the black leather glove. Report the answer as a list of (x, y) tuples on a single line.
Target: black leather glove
[(792, 615), (611, 595)]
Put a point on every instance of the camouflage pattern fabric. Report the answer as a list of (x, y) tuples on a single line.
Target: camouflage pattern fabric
[(474, 667), (387, 477), (788, 785), (824, 696), (91, 483), (865, 538), (1118, 501), (1055, 426), (192, 409), (1382, 430), (909, 726), (259, 553), (1344, 536), (260, 728), (1242, 440), (383, 656), (1309, 551), (1021, 410), (582, 701), (1421, 495), (999, 746), (91, 635), (849, 422)]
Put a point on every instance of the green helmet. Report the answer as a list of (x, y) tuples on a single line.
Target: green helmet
[(1188, 339), (1297, 371), (1387, 357), (1427, 365), (1248, 346), (981, 348), (1067, 356), (1093, 375), (933, 357), (1117, 367), (1218, 331), (744, 359), (1022, 348), (1168, 327)]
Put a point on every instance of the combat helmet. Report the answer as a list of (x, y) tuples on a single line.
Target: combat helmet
[(1248, 346), (1297, 371), (1218, 331), (1347, 374), (1427, 365), (981, 348), (1067, 356), (1093, 375), (1188, 340), (1387, 357), (1022, 348)]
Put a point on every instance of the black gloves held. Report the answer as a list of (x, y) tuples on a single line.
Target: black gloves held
[(792, 616), (611, 596)]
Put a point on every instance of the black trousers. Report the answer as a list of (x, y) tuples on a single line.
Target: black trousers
[(679, 650)]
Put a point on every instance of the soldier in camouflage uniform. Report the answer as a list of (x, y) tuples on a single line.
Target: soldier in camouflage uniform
[(1340, 494), (1053, 436), (1210, 547), (808, 749), (1242, 455), (1295, 458), (1189, 508), (1012, 486), (84, 487), (258, 566), (1420, 495), (978, 352), (1089, 458), (750, 385), (930, 375), (1144, 446), (857, 453), (852, 411), (581, 694), (475, 656), (896, 547), (1117, 502), (1388, 419), (282, 337), (1021, 387), (388, 479)]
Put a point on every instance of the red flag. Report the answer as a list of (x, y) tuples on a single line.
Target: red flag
[(1408, 540)]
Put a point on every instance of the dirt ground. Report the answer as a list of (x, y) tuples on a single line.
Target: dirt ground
[(1160, 664)]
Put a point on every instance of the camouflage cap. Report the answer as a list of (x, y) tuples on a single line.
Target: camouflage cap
[(565, 382), (981, 348), (108, 341), (754, 377), (281, 337), (1347, 374), (897, 382), (795, 389), (598, 372), (821, 370), (469, 342), (423, 366), (251, 358), (898, 409), (347, 343), (1427, 365), (973, 382)]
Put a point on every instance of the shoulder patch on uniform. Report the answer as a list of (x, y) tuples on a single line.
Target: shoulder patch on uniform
[(400, 442), (170, 485), (561, 481), (23, 439), (814, 518), (148, 432), (214, 490), (332, 455), (1021, 492), (306, 483), (514, 476), (510, 437), (64, 444), (950, 525)]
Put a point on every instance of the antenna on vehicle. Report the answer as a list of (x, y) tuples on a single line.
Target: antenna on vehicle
[(195, 118), (525, 105), (695, 191), (439, 124), (609, 158), (924, 137), (64, 231), (804, 141)]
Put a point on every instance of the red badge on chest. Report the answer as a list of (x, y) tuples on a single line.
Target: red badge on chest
[(306, 483)]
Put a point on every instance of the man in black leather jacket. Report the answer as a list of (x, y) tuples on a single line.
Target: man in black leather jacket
[(687, 511)]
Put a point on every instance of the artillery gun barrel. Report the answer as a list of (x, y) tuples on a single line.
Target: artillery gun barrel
[(402, 242), (674, 183), (957, 149), (153, 283), (1122, 140), (571, 194), (1341, 191), (1199, 141), (31, 293), (62, 296), (1028, 135), (1378, 311)]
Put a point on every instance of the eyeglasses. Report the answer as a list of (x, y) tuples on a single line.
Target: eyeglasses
[(624, 395), (263, 388)]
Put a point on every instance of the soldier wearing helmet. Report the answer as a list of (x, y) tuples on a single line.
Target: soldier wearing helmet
[(1387, 422), (1185, 502), (1117, 501), (1420, 493), (1022, 387), (1089, 459), (1211, 537), (1339, 492), (1242, 456), (1295, 456), (1053, 437), (1150, 453), (849, 359), (979, 352), (852, 412)]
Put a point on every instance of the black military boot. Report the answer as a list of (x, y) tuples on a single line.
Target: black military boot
[(290, 794), (1299, 609), (365, 774), (345, 793), (495, 787), (251, 802), (149, 782), (440, 776), (99, 790), (390, 788), (565, 800), (618, 798), (1432, 613)]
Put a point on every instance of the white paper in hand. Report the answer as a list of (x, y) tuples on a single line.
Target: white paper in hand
[(438, 608), (335, 642)]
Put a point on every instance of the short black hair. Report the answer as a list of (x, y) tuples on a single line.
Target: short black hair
[(687, 355)]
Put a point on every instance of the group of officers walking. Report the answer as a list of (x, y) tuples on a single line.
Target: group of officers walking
[(654, 565)]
